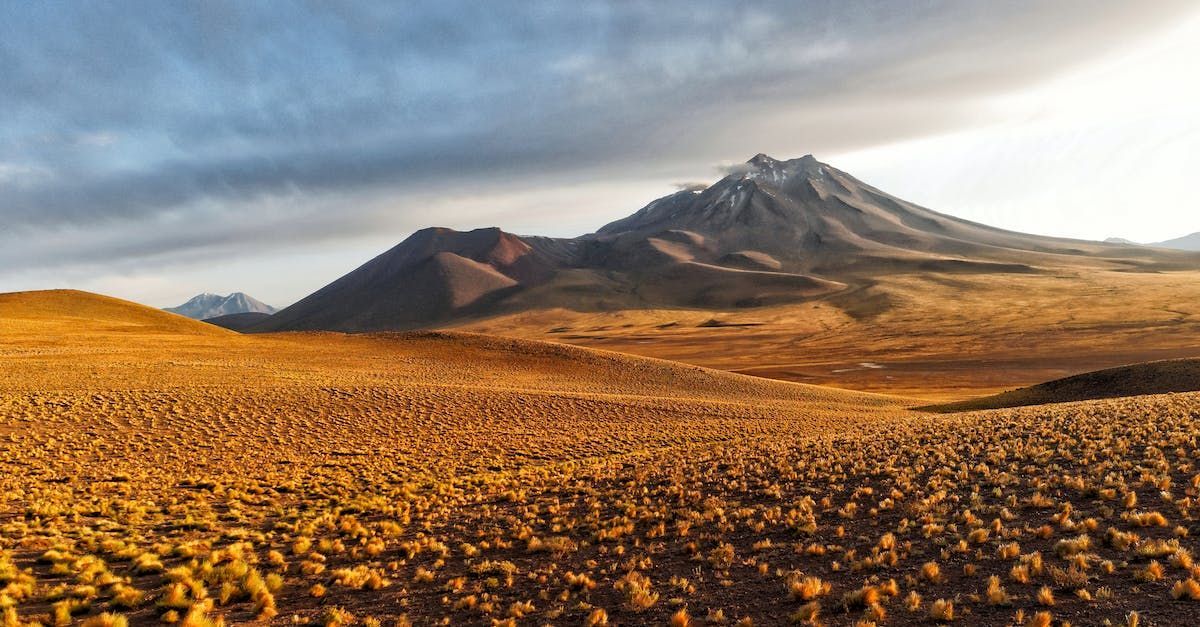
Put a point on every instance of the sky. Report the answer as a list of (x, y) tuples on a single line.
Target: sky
[(156, 150)]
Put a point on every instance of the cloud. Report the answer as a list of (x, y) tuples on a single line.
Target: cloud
[(165, 129), (734, 169), (13, 174)]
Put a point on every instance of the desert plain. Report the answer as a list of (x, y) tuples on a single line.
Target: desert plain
[(155, 469)]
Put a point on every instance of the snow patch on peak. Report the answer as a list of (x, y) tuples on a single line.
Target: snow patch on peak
[(208, 305)]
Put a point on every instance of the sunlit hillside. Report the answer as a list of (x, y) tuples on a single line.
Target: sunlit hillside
[(463, 479)]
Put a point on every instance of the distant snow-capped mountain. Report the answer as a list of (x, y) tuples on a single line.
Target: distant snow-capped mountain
[(206, 306)]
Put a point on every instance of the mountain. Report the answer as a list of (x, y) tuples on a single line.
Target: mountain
[(1187, 242), (810, 217), (435, 274), (206, 306), (771, 232), (238, 321)]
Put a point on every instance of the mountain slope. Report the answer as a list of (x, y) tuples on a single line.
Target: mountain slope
[(774, 232), (812, 217), (205, 306), (238, 321), (66, 313), (1187, 242), (69, 339), (1157, 377), (435, 274)]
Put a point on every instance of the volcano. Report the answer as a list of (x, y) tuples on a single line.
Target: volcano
[(770, 232)]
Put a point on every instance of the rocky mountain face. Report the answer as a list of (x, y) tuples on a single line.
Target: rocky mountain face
[(205, 306)]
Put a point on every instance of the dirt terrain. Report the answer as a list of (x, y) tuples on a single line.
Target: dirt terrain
[(1156, 377), (930, 336), (156, 469)]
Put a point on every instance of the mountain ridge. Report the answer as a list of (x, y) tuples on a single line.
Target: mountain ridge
[(1187, 242), (769, 232), (207, 305)]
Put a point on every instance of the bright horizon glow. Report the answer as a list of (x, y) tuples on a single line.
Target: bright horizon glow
[(1106, 150)]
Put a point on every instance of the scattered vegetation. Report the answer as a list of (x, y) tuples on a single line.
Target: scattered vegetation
[(314, 499)]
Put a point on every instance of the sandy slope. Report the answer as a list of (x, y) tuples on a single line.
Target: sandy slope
[(929, 335), (1157, 377), (56, 340), (38, 315)]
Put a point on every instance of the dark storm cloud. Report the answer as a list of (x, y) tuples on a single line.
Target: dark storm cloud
[(120, 115)]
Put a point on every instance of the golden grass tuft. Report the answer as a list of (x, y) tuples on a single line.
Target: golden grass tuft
[(1186, 589), (942, 611), (1151, 573), (596, 618), (681, 618), (995, 593), (1040, 619), (807, 588)]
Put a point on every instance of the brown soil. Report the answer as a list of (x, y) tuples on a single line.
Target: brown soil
[(938, 338)]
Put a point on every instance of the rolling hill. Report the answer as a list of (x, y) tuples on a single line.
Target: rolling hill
[(66, 313), (134, 346), (774, 232), (1157, 377), (238, 321)]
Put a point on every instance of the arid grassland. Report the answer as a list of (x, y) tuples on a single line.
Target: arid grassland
[(156, 470), (939, 337)]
